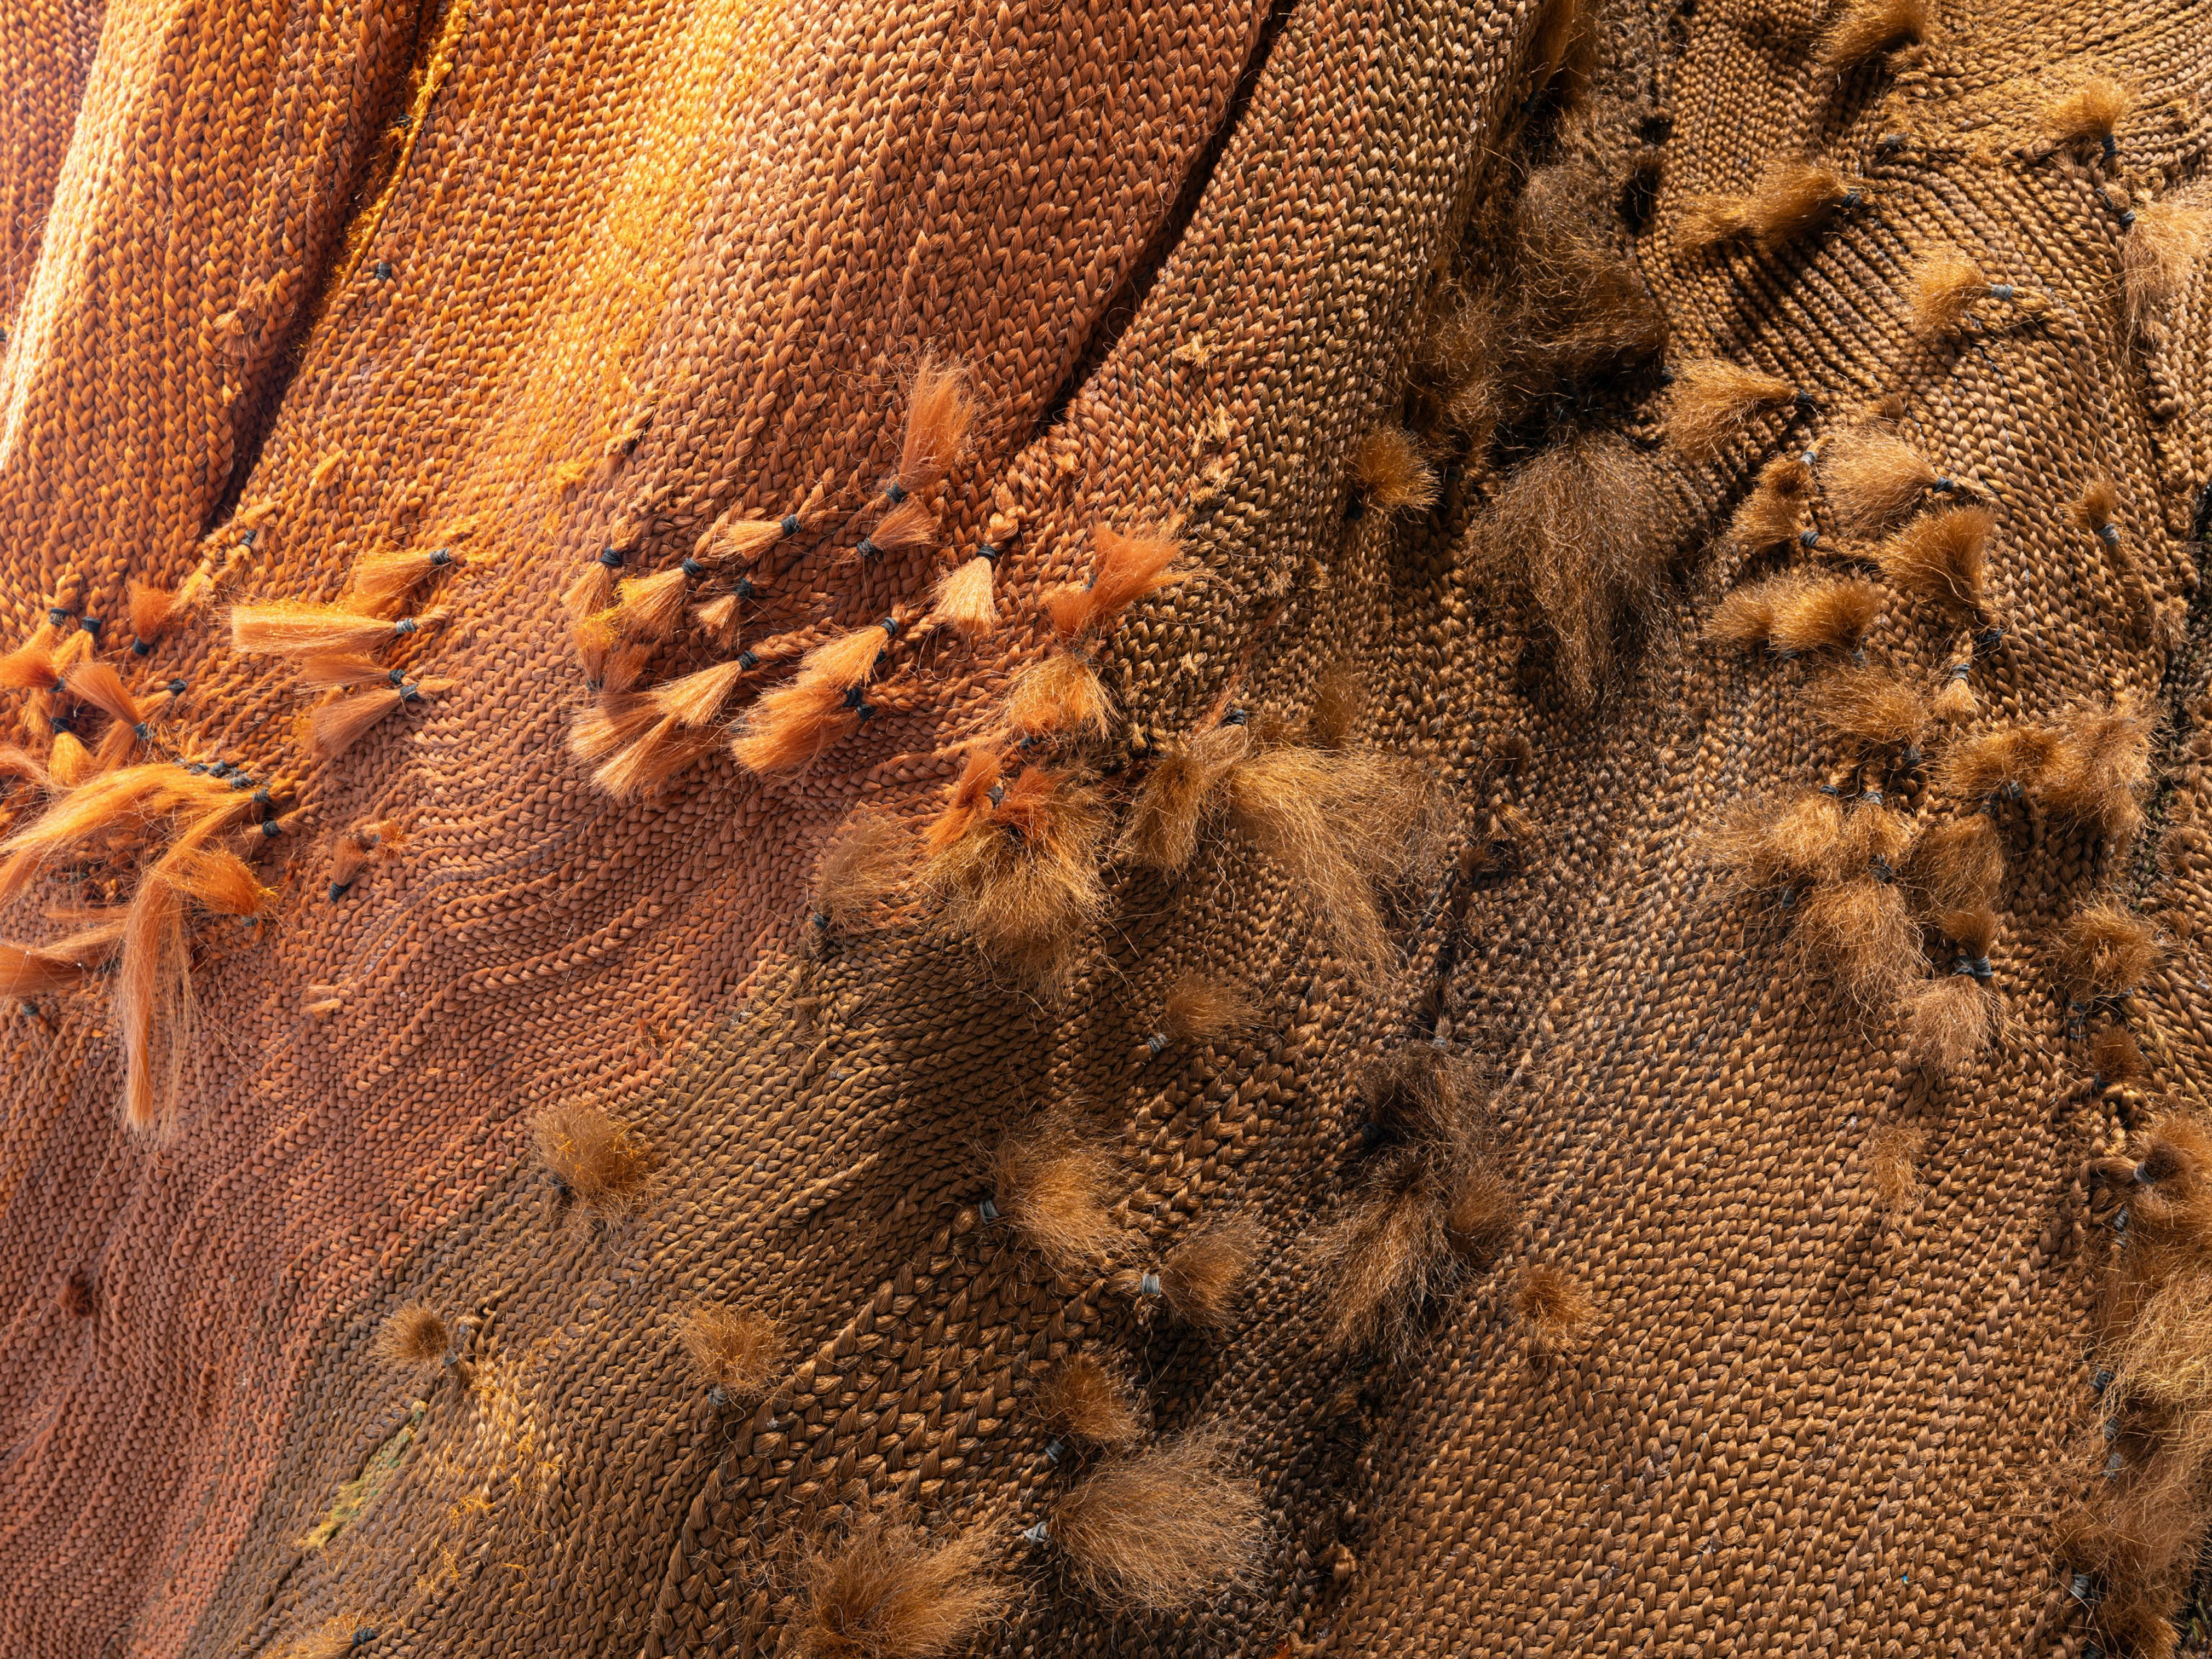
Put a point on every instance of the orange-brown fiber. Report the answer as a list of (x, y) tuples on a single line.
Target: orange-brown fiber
[(1367, 584)]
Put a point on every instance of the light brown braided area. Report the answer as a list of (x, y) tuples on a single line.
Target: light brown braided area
[(544, 280)]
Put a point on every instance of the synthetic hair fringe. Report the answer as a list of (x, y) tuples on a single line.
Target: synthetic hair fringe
[(888, 1593), (1893, 1151), (1572, 529), (1946, 288), (2158, 258), (1090, 1402), (667, 747), (69, 761), (382, 580), (1866, 29), (1875, 482), (1777, 511), (1181, 795), (605, 1166), (1795, 613), (1391, 474), (1051, 1183), (1017, 876), (735, 1351), (2115, 1058), (2103, 952), (1557, 1312), (413, 1337), (1950, 1019), (337, 726), (1340, 825), (871, 857), (288, 629), (1124, 569), (1712, 401), (2088, 111), (1942, 559), (1161, 1529)]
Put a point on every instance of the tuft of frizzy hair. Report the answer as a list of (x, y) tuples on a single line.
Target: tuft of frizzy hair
[(1892, 1153), (940, 413), (1160, 1529), (379, 581), (1572, 530), (1203, 1009), (2088, 111), (2002, 763), (1853, 928), (1866, 29), (289, 628), (1875, 481), (2116, 1059), (2158, 256), (1060, 694), (1181, 795), (1018, 876), (1123, 570), (335, 727), (415, 1336), (1556, 1312), (1340, 825), (1871, 708), (886, 1592), (1051, 1183), (1946, 286), (1941, 559), (2097, 771), (95, 682), (1092, 1402), (1776, 511), (1765, 844), (866, 865), (1713, 402), (1952, 1018), (735, 1351), (1957, 865), (606, 1166), (2103, 951), (1793, 200), (37, 970), (1391, 474), (1201, 1277), (1795, 612), (1340, 702)]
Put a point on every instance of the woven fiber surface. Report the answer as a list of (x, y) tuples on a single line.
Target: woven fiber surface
[(1770, 1332)]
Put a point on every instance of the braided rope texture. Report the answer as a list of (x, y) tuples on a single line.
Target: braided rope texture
[(292, 287)]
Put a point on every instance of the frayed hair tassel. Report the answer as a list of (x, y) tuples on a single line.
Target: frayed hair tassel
[(31, 667), (1871, 709), (852, 660), (1777, 511), (291, 630), (667, 747), (1712, 401), (1795, 614), (1062, 693), (154, 610), (1013, 867), (1200, 1279), (336, 726), (1390, 475), (1941, 559), (1793, 200), (37, 970), (153, 991), (963, 600), (2088, 112), (1866, 29), (1161, 1529), (1952, 1019), (1875, 482), (70, 762), (717, 619), (651, 607), (1124, 568), (1957, 866), (1946, 288), (887, 1592), (384, 580), (1051, 1185), (795, 723), (911, 524), (735, 539), (697, 698), (96, 682), (1183, 788), (939, 412), (1198, 1010), (594, 589), (2158, 256)]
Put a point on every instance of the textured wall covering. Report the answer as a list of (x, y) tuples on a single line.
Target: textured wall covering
[(1539, 992)]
